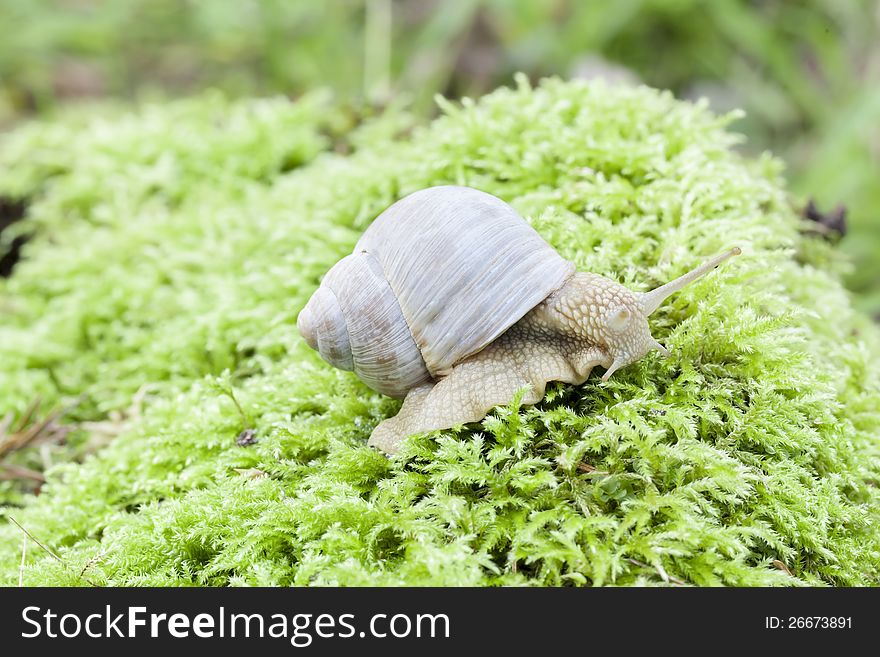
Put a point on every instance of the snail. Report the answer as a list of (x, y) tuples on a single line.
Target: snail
[(453, 302)]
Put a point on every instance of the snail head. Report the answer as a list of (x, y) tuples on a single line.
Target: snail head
[(607, 314)]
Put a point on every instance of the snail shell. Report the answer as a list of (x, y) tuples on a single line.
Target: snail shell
[(434, 279)]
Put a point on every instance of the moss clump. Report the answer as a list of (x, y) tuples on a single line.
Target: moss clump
[(116, 287), (751, 451)]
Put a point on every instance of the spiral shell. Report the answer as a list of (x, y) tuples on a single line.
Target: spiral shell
[(436, 277)]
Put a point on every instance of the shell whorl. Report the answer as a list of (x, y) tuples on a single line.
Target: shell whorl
[(436, 277), (322, 324), (355, 323)]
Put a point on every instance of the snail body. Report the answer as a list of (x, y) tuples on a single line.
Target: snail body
[(453, 302)]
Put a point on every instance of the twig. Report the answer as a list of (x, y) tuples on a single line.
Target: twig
[(48, 551), (245, 419), (22, 435), (20, 439), (5, 423), (23, 555), (29, 412), (9, 471), (91, 562), (31, 536), (659, 570)]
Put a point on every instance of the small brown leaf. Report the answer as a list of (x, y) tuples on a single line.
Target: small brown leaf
[(246, 437), (831, 224), (782, 567), (585, 467)]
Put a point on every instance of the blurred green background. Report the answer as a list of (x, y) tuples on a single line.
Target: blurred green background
[(807, 72)]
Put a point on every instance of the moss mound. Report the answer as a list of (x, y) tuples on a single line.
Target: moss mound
[(171, 257)]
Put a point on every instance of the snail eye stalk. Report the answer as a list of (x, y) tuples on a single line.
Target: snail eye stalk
[(650, 301)]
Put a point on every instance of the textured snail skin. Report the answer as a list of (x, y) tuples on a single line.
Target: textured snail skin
[(591, 320), (561, 339), (453, 302)]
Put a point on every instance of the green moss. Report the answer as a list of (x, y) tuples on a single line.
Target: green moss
[(757, 442), (127, 253)]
